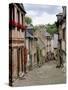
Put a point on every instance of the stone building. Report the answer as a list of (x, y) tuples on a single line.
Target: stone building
[(31, 44), (55, 45), (48, 39), (17, 48), (41, 50), (51, 45), (61, 26)]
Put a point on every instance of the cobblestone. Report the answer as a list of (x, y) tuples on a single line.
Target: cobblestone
[(45, 75)]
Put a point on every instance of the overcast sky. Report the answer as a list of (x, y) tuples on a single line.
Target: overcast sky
[(42, 14)]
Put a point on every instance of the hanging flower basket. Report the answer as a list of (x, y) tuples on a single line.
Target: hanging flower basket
[(12, 23), (18, 25)]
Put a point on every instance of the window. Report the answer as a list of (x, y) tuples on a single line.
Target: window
[(18, 17), (22, 18), (11, 16), (10, 12)]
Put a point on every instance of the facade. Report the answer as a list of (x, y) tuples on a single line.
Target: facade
[(46, 44), (55, 45), (17, 48), (61, 26), (48, 41), (48, 38), (52, 44), (41, 50), (31, 43)]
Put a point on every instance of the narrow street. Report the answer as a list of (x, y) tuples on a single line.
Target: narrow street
[(46, 74)]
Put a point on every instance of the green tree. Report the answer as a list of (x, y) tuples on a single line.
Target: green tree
[(28, 20), (40, 27), (51, 28)]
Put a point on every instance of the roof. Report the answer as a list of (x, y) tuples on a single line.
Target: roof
[(59, 14), (30, 29), (28, 35), (20, 5)]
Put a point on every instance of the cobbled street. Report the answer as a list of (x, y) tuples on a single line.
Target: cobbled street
[(46, 74)]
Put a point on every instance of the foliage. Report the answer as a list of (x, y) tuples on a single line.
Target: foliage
[(40, 27), (51, 28), (28, 20)]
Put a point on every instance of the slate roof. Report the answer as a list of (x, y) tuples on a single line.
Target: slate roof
[(28, 35), (30, 29), (21, 6), (59, 14)]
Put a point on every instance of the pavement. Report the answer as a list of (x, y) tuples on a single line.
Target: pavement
[(45, 75)]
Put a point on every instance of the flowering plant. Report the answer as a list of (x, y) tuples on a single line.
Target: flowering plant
[(12, 23), (18, 25)]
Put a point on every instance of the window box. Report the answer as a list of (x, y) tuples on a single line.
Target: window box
[(12, 23)]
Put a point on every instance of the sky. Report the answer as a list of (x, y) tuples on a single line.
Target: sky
[(42, 14)]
